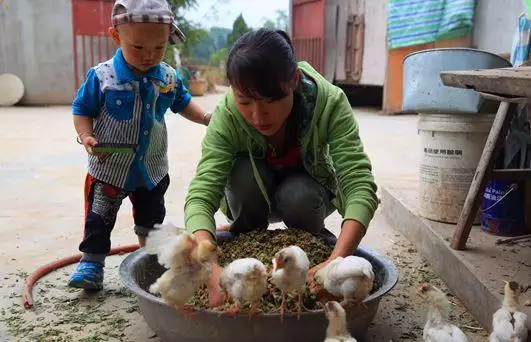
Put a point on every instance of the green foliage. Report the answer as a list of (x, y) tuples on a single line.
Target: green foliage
[(178, 5), (169, 56), (194, 36), (279, 23), (193, 33), (219, 56), (211, 44), (270, 24), (239, 28)]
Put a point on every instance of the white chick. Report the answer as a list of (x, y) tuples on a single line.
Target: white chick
[(172, 245), (437, 327), (337, 330), (188, 262), (350, 278), (509, 324), (244, 280), (290, 270)]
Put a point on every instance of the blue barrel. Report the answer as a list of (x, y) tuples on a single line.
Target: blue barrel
[(502, 208)]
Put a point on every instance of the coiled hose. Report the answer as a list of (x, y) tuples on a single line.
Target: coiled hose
[(27, 296)]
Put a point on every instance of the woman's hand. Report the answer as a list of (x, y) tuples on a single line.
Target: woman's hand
[(215, 294), (314, 288), (313, 270), (216, 297), (351, 234)]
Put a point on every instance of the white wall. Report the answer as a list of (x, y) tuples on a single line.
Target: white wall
[(495, 22), (36, 45)]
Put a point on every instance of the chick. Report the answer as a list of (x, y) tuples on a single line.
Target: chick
[(508, 323), (350, 278), (290, 270), (177, 286), (244, 280), (337, 330), (188, 266), (437, 327), (172, 245)]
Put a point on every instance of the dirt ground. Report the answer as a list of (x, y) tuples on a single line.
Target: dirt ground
[(42, 170)]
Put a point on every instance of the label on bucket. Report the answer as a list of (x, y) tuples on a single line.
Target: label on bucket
[(448, 178), (448, 165)]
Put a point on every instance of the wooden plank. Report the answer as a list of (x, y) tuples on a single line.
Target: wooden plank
[(494, 143), (505, 81), (496, 97), (359, 34), (511, 174), (341, 43), (331, 22)]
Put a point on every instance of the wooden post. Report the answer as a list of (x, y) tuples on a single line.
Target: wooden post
[(492, 147)]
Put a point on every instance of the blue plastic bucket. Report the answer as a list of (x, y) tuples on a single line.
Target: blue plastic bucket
[(503, 208)]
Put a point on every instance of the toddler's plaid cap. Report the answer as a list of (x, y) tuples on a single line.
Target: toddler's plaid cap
[(147, 11)]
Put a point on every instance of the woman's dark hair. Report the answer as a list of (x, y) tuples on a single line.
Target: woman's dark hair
[(260, 62)]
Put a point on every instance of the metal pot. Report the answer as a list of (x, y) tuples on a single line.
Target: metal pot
[(139, 270), (423, 91)]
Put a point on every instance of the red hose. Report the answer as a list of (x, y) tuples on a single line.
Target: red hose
[(27, 296)]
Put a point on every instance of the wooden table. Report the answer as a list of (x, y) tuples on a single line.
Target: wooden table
[(509, 86)]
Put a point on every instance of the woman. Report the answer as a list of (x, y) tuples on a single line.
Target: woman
[(282, 144)]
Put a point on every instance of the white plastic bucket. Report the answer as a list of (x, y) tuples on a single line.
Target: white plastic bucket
[(450, 146)]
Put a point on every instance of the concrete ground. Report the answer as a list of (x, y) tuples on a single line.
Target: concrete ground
[(42, 170), (476, 274)]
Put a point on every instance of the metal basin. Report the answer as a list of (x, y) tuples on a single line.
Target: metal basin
[(423, 91), (139, 270)]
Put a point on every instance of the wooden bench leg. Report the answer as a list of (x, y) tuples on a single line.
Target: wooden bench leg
[(494, 143)]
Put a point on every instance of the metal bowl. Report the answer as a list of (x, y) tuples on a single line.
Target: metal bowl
[(424, 91), (138, 270)]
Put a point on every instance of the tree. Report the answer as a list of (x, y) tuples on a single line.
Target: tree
[(239, 28), (219, 57), (279, 23), (194, 34), (209, 45), (270, 24)]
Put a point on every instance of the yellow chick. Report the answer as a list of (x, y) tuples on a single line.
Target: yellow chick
[(508, 323), (245, 280), (337, 330), (437, 327), (290, 270)]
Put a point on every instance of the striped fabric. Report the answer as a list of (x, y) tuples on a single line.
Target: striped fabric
[(113, 125), (413, 22), (521, 40)]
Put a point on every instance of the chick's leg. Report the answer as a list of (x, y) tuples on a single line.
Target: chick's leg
[(300, 304), (254, 309), (281, 308), (233, 309)]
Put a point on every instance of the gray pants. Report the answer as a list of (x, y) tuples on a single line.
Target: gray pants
[(296, 198)]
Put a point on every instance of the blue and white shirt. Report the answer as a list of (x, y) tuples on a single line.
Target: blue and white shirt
[(128, 108)]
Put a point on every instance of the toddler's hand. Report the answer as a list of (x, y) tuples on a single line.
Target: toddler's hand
[(89, 142)]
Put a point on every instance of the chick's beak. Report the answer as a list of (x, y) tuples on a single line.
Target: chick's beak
[(421, 289)]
